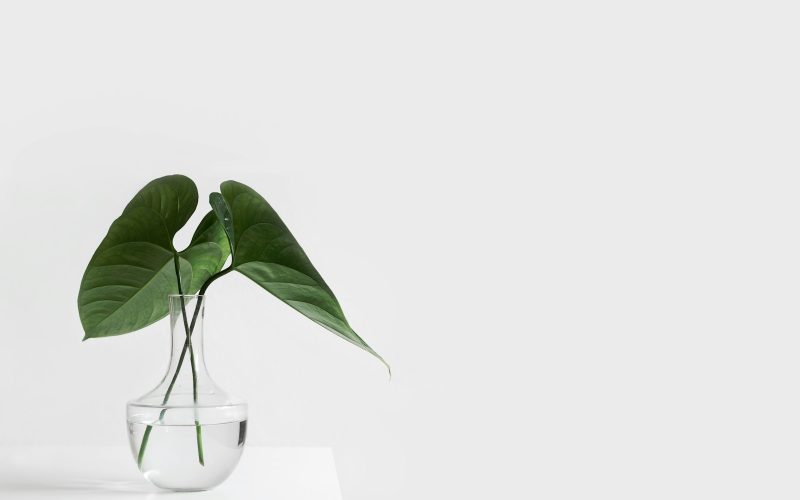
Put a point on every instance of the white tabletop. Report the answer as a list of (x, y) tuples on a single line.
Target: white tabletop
[(47, 472)]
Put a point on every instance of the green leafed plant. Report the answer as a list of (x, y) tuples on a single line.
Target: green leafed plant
[(129, 277)]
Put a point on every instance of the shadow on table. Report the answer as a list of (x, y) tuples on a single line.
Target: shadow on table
[(74, 486)]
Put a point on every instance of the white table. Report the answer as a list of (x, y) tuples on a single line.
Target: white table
[(96, 472)]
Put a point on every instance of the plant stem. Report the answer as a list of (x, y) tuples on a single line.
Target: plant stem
[(194, 371), (191, 355), (186, 347)]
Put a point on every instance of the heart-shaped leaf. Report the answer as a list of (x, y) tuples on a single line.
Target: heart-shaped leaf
[(130, 275), (265, 251)]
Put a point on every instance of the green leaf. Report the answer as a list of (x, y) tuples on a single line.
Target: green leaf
[(223, 213), (126, 283), (173, 197), (265, 251)]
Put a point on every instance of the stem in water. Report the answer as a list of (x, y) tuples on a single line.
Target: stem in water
[(189, 328)]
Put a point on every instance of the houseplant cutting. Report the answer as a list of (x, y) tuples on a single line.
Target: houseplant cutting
[(137, 277)]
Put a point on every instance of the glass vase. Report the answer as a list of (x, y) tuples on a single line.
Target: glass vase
[(187, 434)]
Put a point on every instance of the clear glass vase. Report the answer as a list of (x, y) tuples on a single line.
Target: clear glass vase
[(187, 434)]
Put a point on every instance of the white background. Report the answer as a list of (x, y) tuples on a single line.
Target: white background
[(571, 228)]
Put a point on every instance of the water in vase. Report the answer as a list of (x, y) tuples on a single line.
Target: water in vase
[(172, 458)]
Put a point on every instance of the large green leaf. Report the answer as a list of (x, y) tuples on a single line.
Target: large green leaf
[(266, 252), (130, 275)]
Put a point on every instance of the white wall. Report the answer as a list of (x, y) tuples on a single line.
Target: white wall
[(571, 227)]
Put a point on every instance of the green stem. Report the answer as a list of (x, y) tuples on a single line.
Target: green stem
[(145, 439), (191, 353), (186, 346)]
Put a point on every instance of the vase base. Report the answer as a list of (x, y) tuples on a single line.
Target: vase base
[(172, 458)]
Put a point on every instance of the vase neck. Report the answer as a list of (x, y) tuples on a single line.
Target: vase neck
[(186, 316)]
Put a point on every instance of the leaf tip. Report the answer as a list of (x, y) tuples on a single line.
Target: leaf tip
[(380, 358)]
